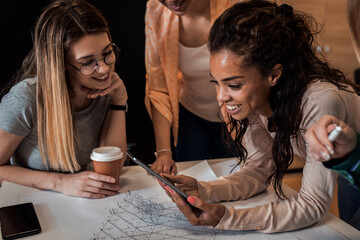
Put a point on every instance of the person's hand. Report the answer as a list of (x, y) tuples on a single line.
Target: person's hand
[(319, 145), (116, 90), (185, 183), (206, 214), (88, 185), (164, 164)]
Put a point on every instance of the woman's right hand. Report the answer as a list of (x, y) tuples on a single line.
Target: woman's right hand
[(185, 183), (164, 164), (87, 185), (204, 213)]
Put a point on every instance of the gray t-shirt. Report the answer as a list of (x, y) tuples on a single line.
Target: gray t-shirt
[(18, 116)]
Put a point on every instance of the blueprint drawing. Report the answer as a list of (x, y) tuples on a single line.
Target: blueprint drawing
[(137, 217)]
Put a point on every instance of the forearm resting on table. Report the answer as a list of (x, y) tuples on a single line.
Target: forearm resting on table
[(31, 178)]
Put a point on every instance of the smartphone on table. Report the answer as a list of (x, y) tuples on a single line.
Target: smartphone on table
[(164, 180), (18, 221)]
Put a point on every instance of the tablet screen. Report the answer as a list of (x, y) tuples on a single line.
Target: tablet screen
[(152, 172)]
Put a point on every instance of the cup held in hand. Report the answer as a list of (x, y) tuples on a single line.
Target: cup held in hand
[(106, 161)]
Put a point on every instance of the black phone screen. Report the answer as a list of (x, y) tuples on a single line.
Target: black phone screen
[(19, 221)]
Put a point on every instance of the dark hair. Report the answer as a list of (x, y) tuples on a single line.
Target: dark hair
[(267, 34)]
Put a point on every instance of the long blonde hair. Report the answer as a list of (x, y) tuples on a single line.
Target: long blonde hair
[(60, 24)]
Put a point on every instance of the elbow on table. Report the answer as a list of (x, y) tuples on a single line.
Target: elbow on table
[(315, 208)]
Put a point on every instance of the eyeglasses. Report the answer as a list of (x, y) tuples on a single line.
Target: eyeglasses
[(91, 66)]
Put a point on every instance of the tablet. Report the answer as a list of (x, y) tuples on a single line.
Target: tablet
[(152, 172)]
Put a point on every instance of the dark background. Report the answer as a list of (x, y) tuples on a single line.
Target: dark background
[(126, 21)]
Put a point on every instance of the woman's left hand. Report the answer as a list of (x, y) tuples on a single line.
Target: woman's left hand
[(116, 90), (207, 214)]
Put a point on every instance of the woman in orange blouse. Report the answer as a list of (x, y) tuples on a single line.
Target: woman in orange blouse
[(177, 65)]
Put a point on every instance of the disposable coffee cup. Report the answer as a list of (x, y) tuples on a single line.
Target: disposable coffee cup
[(107, 161)]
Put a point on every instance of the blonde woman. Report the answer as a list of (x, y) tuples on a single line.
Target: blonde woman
[(67, 100)]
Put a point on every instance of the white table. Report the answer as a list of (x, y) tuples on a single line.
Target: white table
[(64, 217)]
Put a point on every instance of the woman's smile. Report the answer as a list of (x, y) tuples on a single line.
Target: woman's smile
[(89, 48), (244, 90), (233, 109), (103, 78), (176, 6)]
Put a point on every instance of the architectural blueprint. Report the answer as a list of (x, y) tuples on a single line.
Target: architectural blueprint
[(155, 217), (142, 210), (150, 214), (136, 217)]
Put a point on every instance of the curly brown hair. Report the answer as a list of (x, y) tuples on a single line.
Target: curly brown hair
[(267, 34)]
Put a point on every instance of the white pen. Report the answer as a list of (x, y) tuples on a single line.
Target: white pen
[(334, 133)]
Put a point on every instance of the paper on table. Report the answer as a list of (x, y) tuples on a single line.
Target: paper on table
[(201, 171), (64, 217)]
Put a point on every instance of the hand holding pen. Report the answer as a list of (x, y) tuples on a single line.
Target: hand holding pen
[(330, 138)]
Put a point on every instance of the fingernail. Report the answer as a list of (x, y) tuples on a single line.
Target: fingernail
[(324, 155), (169, 189), (331, 151), (315, 156), (191, 200)]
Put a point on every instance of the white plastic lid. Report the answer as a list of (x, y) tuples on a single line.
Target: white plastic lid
[(106, 154)]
